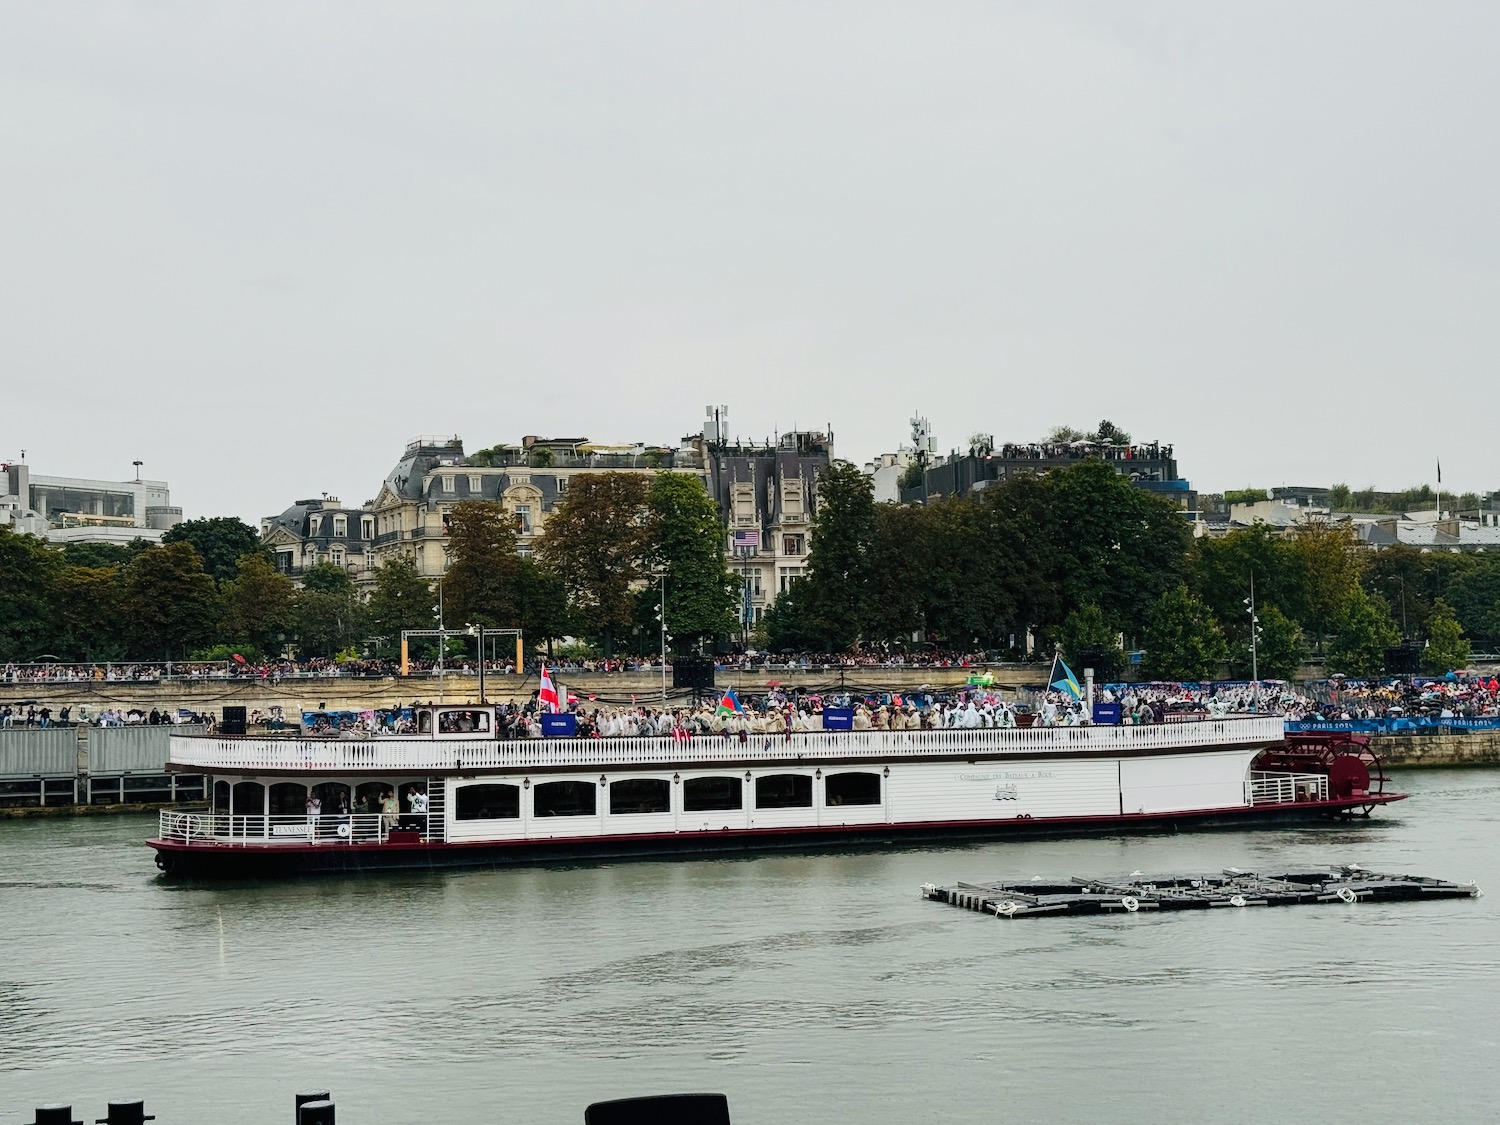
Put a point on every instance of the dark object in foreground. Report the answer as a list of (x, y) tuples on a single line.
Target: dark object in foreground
[(1298, 886), (316, 1109), (664, 1109)]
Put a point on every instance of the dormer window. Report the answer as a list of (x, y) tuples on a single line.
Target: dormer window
[(476, 484), (315, 526), (341, 527), (448, 483), (367, 527)]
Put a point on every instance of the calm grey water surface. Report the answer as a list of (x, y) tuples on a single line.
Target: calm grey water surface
[(809, 988)]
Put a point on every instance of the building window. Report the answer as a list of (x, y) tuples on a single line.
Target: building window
[(448, 483), (341, 527), (315, 526), (791, 544), (338, 556), (786, 578), (284, 561), (562, 485), (523, 519), (475, 485), (367, 527)]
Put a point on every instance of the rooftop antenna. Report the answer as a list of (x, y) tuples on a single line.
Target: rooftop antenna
[(137, 465)]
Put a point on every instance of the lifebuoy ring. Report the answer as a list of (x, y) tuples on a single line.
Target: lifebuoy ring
[(1346, 895), (343, 830), (1130, 903), (1237, 900)]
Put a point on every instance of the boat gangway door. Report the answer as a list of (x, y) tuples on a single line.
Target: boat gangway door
[(560, 725)]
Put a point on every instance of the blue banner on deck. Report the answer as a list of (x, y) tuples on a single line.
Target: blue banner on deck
[(563, 724), (838, 718), (1107, 714), (1396, 726)]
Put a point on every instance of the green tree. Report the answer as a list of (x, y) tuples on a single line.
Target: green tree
[(965, 600), (259, 606), (541, 604), (1330, 560), (168, 602), (1108, 433), (684, 543), (402, 599), (897, 601), (840, 572), (327, 616), (1059, 434), (1183, 641), (1474, 593), (1447, 647), (1115, 545), (479, 587), (96, 555), (594, 542), (28, 569), (88, 624), (1279, 652), (787, 623), (1221, 571), (1088, 639), (1363, 631), (219, 541)]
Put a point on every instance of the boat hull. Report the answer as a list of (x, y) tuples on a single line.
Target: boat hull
[(215, 860)]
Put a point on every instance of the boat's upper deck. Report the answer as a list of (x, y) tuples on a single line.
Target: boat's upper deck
[(419, 754)]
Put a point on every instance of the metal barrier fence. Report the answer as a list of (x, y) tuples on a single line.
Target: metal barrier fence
[(32, 752)]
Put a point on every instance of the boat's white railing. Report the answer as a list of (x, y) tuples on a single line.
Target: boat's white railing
[(418, 755), (1285, 788), (332, 829)]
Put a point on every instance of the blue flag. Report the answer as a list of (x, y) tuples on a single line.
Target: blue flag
[(1068, 682)]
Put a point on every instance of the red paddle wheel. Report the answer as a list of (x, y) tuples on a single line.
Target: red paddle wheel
[(1352, 768)]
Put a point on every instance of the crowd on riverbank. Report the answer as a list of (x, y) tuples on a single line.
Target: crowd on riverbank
[(277, 671), (42, 717)]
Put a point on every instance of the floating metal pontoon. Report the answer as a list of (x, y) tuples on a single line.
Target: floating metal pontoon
[(1126, 894)]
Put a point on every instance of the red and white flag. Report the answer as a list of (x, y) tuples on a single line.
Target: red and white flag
[(546, 695)]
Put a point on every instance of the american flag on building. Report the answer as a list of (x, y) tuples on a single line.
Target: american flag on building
[(746, 539)]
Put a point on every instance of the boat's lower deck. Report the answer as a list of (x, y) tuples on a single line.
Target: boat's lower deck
[(312, 853)]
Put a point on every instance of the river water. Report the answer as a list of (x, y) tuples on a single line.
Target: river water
[(809, 988)]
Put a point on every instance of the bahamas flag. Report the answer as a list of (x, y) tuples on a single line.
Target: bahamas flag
[(730, 703), (1068, 682)]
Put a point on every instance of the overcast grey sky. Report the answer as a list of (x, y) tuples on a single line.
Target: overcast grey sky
[(259, 246)]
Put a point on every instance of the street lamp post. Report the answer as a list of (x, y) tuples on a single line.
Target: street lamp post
[(1254, 643)]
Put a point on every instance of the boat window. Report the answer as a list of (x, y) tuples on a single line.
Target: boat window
[(489, 802), (783, 791), (463, 722), (565, 798), (288, 798), (333, 797), (712, 794), (249, 798), (368, 796), (221, 797), (639, 795), (424, 722), (851, 789)]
